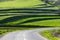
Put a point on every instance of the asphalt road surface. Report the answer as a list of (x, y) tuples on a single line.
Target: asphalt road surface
[(26, 35)]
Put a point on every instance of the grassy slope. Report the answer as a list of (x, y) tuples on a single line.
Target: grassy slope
[(20, 4), (4, 17), (48, 35), (55, 23), (27, 4), (25, 21)]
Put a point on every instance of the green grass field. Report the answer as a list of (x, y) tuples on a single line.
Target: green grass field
[(19, 3), (47, 34), (8, 4), (12, 13), (53, 21)]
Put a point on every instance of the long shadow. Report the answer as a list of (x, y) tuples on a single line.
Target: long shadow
[(11, 19), (35, 20), (44, 6), (24, 26), (31, 12), (27, 9)]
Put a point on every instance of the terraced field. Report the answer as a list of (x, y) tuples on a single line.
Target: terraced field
[(32, 20), (38, 13), (30, 17), (28, 13)]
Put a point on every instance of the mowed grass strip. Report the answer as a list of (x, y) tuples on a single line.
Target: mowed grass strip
[(4, 17), (48, 34), (53, 23), (21, 20), (19, 3), (6, 4), (31, 20)]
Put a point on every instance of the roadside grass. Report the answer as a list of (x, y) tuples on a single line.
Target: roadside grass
[(5, 30), (47, 34)]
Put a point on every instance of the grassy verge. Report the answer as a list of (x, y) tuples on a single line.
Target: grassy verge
[(47, 34)]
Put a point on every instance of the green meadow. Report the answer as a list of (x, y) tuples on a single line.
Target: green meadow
[(19, 3), (53, 21), (9, 4), (28, 13)]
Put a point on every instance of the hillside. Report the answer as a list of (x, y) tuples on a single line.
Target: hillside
[(30, 13)]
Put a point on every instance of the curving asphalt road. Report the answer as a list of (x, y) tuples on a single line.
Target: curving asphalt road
[(26, 35)]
